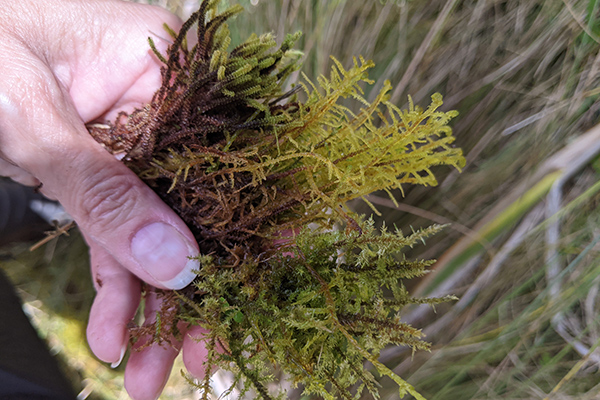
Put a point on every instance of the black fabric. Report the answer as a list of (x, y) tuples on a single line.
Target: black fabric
[(17, 221), (13, 387), (27, 370)]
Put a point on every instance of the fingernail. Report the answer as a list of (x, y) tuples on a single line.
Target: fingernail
[(165, 254), (118, 362)]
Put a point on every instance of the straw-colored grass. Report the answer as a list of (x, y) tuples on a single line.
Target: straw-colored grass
[(523, 251)]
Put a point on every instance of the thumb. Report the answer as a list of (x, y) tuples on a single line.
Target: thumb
[(126, 218), (41, 132)]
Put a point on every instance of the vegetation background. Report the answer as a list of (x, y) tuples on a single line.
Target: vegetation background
[(523, 250)]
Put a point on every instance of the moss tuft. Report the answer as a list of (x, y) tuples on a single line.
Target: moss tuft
[(261, 175)]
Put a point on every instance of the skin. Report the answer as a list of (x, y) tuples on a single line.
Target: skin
[(66, 63)]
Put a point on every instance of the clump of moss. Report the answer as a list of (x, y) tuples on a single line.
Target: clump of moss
[(261, 175)]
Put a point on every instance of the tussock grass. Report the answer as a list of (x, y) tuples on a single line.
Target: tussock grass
[(523, 251)]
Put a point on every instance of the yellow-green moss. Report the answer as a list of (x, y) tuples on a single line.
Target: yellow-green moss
[(244, 161)]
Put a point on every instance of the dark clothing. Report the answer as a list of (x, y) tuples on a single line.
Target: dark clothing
[(27, 370), (17, 221)]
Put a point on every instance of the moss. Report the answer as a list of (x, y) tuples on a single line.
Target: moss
[(261, 175)]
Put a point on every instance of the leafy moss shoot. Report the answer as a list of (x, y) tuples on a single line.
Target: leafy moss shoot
[(291, 279)]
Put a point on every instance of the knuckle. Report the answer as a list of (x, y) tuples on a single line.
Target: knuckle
[(107, 198)]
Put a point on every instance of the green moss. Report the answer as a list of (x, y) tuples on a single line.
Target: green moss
[(261, 175)]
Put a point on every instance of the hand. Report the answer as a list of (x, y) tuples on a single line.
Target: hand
[(66, 63)]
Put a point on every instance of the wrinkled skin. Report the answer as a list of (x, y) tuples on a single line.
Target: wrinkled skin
[(66, 63)]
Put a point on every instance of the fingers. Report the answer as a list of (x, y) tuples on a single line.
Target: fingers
[(114, 307), (106, 66), (47, 91), (194, 351), (130, 72), (148, 369), (41, 134)]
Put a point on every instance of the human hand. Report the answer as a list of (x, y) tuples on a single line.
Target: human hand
[(66, 63)]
